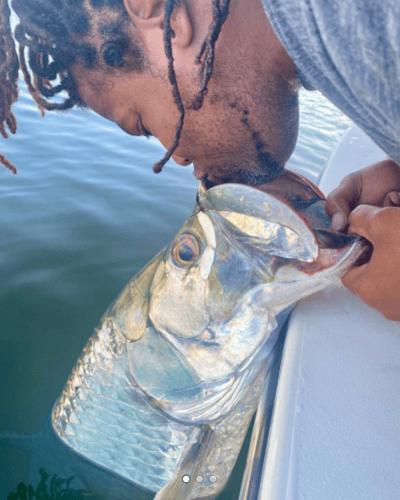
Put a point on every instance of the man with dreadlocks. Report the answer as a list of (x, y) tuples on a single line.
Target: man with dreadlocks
[(233, 109)]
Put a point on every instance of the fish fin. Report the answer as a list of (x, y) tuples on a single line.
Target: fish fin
[(177, 488)]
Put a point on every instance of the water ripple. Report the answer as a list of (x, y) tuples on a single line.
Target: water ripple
[(82, 217)]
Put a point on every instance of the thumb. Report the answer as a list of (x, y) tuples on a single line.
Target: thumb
[(342, 200), (360, 220), (378, 225)]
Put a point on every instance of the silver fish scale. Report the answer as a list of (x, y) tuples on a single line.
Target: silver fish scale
[(229, 434), (105, 418), (202, 390)]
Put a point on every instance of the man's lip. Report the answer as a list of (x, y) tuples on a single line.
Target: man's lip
[(209, 179), (206, 180), (198, 173), (207, 184)]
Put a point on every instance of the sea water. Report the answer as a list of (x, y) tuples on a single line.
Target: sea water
[(83, 216)]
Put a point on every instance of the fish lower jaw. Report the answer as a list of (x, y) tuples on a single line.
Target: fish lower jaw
[(334, 260), (293, 284), (350, 258), (327, 258)]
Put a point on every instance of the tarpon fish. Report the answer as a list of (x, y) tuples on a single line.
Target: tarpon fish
[(164, 391)]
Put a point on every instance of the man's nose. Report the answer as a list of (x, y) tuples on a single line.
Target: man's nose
[(181, 161)]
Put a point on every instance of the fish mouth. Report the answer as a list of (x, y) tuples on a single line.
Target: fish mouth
[(337, 250), (207, 184)]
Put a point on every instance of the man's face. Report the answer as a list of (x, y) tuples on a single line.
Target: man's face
[(244, 132)]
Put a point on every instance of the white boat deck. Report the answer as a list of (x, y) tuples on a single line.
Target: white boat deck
[(335, 432)]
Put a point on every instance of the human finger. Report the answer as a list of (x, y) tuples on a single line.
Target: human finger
[(341, 201), (376, 285), (351, 280), (392, 199), (360, 221), (381, 226)]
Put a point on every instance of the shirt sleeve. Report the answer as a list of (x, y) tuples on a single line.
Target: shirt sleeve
[(350, 52)]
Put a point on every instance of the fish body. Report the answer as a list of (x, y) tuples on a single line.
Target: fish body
[(164, 391)]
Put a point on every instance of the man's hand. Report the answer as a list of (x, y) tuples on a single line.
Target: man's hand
[(377, 282), (377, 185), (367, 202)]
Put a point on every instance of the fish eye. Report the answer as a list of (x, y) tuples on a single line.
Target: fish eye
[(185, 250)]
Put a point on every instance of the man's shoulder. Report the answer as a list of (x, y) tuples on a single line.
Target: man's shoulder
[(350, 52)]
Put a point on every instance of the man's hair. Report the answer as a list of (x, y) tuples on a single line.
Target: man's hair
[(53, 34)]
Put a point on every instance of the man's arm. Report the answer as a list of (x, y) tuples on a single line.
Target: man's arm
[(367, 202)]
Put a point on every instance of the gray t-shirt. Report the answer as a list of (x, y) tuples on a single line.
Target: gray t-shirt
[(349, 50)]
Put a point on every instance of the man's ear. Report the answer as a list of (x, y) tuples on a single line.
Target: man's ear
[(149, 14)]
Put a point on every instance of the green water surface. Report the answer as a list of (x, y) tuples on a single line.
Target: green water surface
[(83, 216)]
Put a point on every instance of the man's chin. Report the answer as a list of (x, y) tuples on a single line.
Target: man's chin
[(207, 183), (258, 174)]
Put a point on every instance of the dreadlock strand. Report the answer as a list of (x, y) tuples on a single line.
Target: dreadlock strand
[(205, 44), (3, 105), (208, 49), (48, 90), (157, 167), (46, 30), (41, 103), (27, 78), (8, 79), (8, 72), (6, 163), (6, 34), (11, 122), (3, 132)]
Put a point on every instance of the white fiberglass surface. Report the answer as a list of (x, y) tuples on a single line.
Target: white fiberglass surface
[(335, 427)]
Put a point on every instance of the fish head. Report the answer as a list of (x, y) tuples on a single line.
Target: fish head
[(241, 240), (282, 238), (179, 292), (204, 309)]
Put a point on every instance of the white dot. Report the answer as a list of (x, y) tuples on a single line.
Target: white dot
[(213, 479), (199, 479), (186, 479)]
